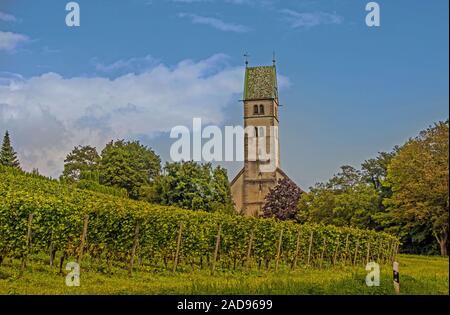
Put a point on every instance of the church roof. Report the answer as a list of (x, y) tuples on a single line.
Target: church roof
[(260, 83)]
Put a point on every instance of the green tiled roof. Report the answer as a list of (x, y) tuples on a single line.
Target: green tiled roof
[(260, 83)]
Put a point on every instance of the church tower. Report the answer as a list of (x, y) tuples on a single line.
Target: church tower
[(261, 169)]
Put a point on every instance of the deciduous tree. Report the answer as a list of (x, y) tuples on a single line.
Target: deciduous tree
[(129, 165), (281, 201), (82, 159), (419, 179), (193, 186)]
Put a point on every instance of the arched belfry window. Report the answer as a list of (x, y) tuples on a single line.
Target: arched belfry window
[(261, 109), (255, 110), (261, 131), (256, 131)]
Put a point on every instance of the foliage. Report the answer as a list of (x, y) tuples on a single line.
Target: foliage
[(8, 157), (374, 171), (281, 201), (345, 200), (59, 212), (95, 186), (403, 192), (128, 165), (82, 159), (419, 179), (194, 186)]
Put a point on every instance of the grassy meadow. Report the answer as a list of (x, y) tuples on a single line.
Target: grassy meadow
[(418, 275)]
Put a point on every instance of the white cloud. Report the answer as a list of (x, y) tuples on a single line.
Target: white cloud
[(9, 40), (49, 114), (310, 19), (5, 17), (135, 65), (214, 22)]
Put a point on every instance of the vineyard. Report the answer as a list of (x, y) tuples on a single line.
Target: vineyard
[(42, 215)]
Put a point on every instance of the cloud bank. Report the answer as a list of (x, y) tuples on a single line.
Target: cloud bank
[(49, 114)]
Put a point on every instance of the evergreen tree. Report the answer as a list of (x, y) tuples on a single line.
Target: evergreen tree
[(8, 157)]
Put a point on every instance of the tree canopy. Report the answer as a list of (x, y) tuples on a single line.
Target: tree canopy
[(404, 192), (81, 160), (281, 201), (129, 165), (191, 185), (419, 178), (345, 200)]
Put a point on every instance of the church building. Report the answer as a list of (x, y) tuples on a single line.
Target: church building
[(261, 116)]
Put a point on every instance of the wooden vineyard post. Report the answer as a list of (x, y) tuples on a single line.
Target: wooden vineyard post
[(133, 249), (249, 250), (390, 254), (387, 255), (216, 250), (50, 250), (356, 253), (323, 251), (177, 253), (83, 238), (379, 257), (297, 251), (346, 255), (336, 252), (28, 242), (310, 247), (280, 240), (368, 253)]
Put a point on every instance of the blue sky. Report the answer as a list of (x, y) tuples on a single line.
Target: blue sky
[(134, 69)]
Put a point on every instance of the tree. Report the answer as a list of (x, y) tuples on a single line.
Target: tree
[(221, 191), (418, 178), (374, 171), (345, 200), (129, 165), (81, 161), (8, 157), (192, 186), (281, 201)]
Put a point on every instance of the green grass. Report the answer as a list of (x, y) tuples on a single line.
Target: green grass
[(418, 275)]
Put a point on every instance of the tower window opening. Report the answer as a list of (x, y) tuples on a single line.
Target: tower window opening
[(261, 131), (261, 109), (255, 110)]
